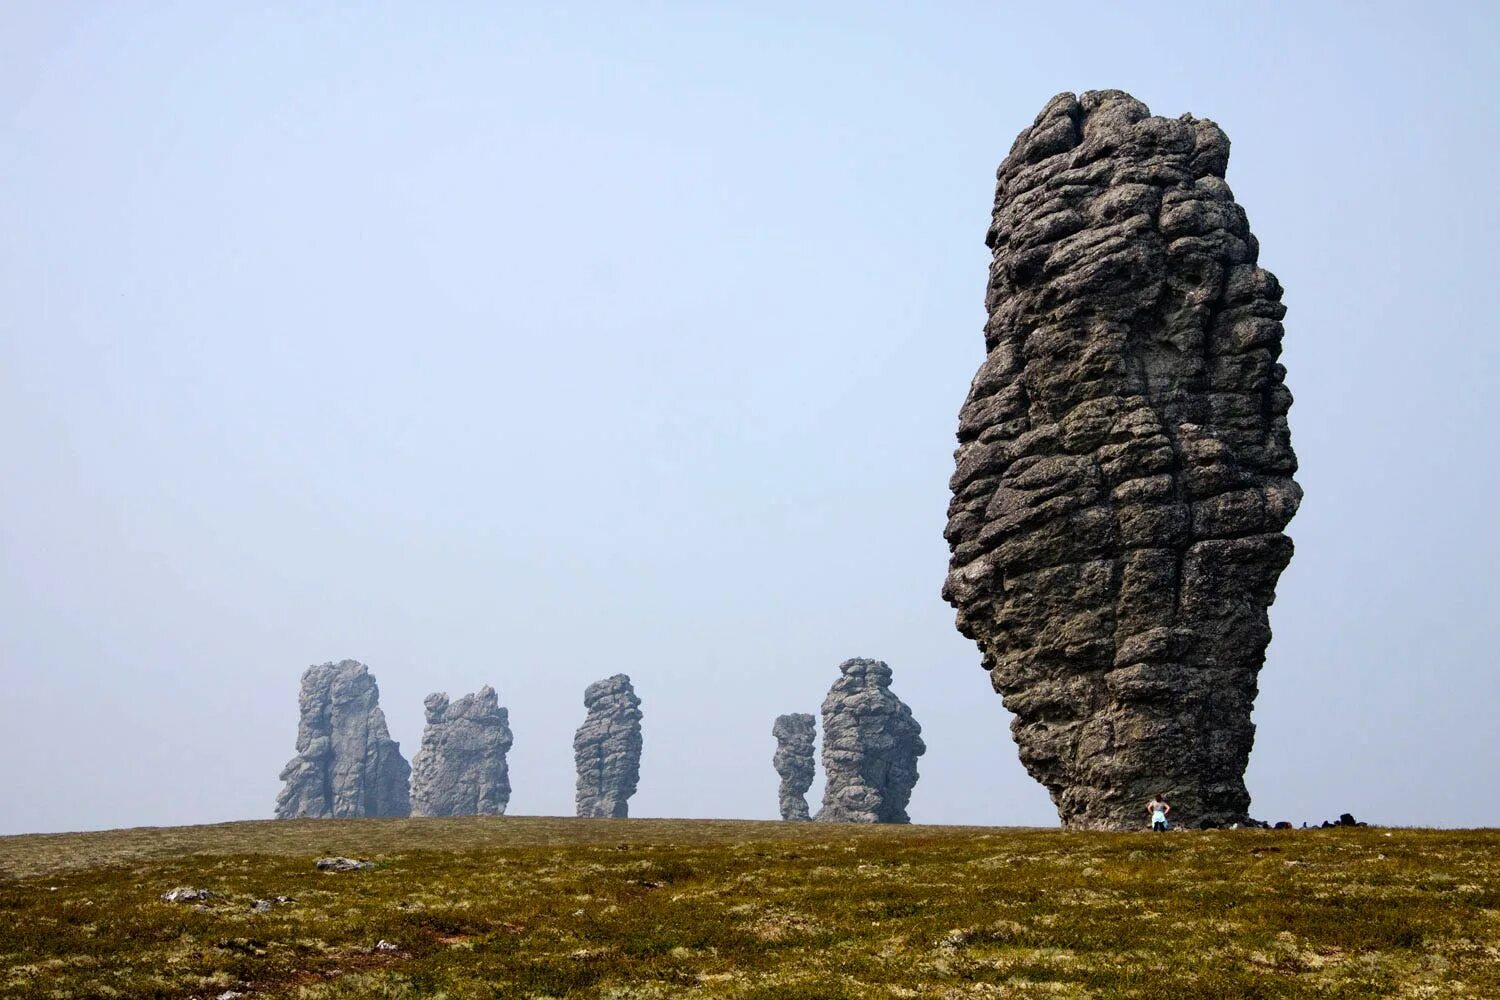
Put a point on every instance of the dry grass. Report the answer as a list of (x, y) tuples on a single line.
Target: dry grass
[(533, 907)]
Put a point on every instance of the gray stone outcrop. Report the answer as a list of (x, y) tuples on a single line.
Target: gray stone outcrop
[(347, 764), (794, 762), (461, 769), (607, 748), (870, 748), (1124, 468)]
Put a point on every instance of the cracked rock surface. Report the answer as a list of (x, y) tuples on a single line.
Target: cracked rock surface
[(347, 764), (607, 748), (794, 762), (1124, 468), (870, 748), (461, 769)]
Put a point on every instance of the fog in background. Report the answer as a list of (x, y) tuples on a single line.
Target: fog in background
[(527, 346)]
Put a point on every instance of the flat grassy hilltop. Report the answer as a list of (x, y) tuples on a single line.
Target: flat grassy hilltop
[(534, 907)]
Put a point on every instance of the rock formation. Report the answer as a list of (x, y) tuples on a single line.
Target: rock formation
[(1124, 469), (346, 763), (870, 748), (607, 748), (794, 762), (460, 769)]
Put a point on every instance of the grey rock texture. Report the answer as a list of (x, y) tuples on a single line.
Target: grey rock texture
[(794, 761), (870, 748), (460, 769), (1124, 468), (185, 894), (607, 748), (346, 763)]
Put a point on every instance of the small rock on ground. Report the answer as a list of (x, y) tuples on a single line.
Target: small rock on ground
[(185, 894)]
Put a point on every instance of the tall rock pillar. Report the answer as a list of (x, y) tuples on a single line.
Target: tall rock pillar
[(1124, 468)]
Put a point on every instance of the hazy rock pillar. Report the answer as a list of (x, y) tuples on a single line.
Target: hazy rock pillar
[(794, 762), (870, 747), (461, 769), (607, 748), (346, 763), (1124, 468)]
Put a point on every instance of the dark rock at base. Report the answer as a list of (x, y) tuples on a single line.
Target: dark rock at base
[(1124, 468)]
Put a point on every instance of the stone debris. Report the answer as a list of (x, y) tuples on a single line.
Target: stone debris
[(264, 905), (794, 762), (460, 769), (607, 748), (185, 894), (1124, 468), (870, 748), (384, 945), (342, 865), (347, 764)]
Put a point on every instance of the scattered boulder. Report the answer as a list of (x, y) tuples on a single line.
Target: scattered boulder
[(342, 865), (870, 748), (607, 748), (1124, 468), (347, 764), (460, 769), (1282, 825), (185, 894), (794, 762)]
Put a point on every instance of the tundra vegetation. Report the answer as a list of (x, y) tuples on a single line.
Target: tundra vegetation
[(533, 907)]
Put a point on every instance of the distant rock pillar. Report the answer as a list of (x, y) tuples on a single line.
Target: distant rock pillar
[(607, 748), (347, 765), (461, 768), (794, 762), (870, 748)]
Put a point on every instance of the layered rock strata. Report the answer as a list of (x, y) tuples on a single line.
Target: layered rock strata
[(607, 748), (346, 764), (460, 769), (870, 748), (1124, 469), (794, 762)]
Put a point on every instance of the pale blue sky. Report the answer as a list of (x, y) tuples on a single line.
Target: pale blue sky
[(524, 346)]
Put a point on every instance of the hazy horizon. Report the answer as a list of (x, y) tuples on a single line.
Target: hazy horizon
[(526, 347)]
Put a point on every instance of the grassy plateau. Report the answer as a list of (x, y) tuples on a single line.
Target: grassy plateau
[(538, 907)]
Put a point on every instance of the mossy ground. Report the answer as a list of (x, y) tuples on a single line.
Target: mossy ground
[(534, 907)]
